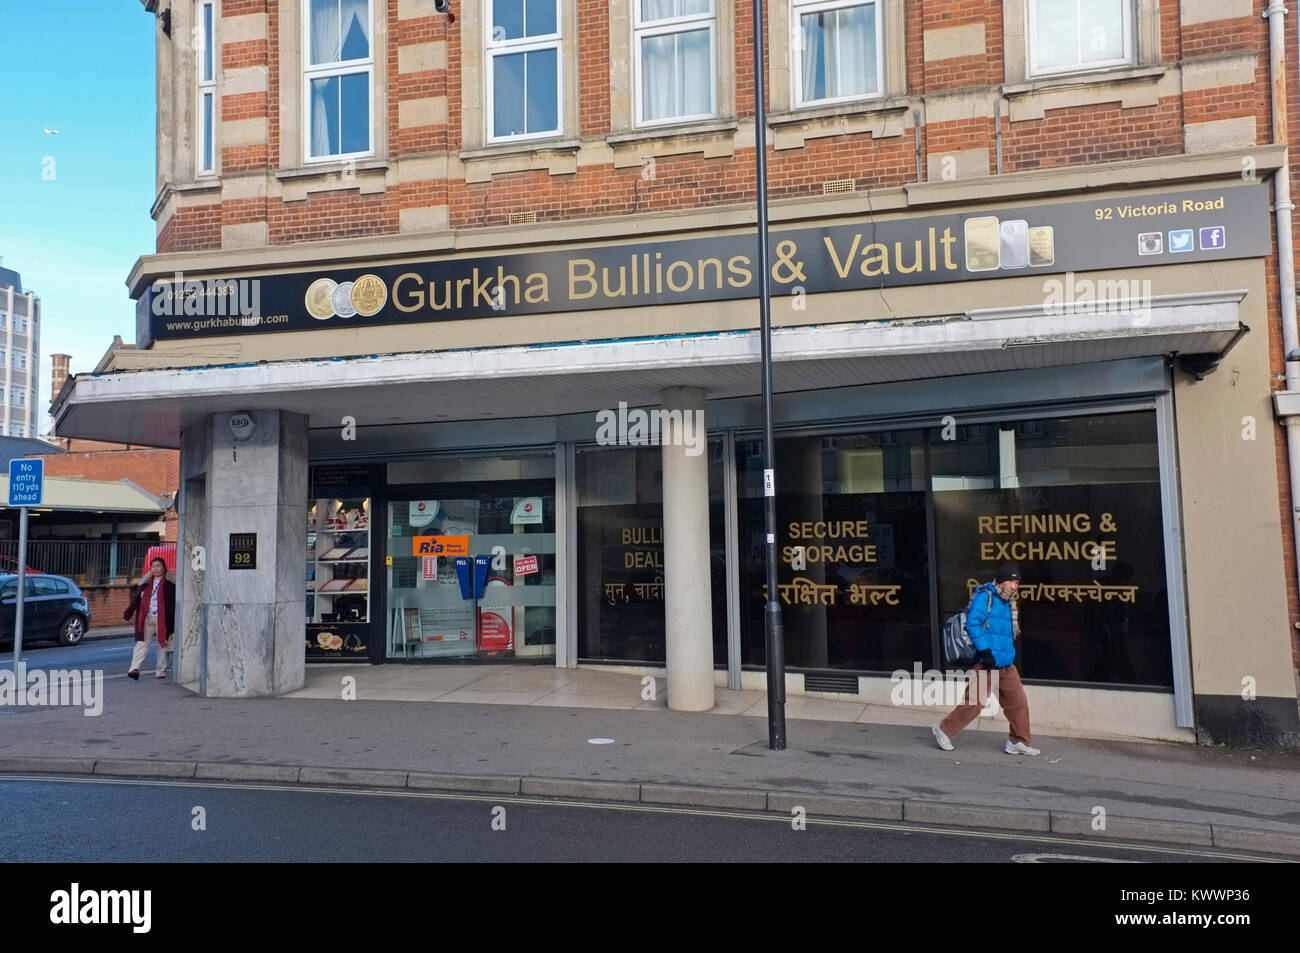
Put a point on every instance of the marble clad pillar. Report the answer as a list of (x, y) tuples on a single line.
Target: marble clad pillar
[(688, 593), (256, 617)]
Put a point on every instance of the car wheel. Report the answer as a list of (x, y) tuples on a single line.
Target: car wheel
[(72, 631)]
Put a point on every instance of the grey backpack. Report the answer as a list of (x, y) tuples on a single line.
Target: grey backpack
[(958, 649)]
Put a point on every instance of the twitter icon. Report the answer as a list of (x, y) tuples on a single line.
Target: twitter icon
[(1181, 240)]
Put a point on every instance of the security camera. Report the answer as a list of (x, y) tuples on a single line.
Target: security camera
[(442, 6)]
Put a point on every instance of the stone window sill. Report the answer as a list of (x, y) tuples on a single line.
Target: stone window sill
[(206, 184), (553, 156), (368, 176), (714, 138), (498, 150), (836, 110), (705, 128), (1131, 86), (881, 118), (326, 169)]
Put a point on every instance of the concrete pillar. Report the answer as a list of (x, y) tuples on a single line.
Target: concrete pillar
[(256, 617), (688, 605)]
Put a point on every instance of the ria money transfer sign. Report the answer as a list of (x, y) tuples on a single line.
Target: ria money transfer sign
[(868, 253)]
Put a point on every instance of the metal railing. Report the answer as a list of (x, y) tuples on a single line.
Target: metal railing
[(87, 562)]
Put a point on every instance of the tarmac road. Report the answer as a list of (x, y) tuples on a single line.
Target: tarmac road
[(115, 821)]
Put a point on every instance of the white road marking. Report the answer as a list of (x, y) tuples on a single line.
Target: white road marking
[(1039, 858)]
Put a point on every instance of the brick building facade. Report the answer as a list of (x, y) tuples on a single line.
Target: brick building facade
[(1029, 296)]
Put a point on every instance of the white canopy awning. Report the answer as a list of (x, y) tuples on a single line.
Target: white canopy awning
[(151, 407)]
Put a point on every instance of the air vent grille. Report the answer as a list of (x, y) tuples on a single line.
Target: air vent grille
[(843, 684), (523, 218), (837, 186)]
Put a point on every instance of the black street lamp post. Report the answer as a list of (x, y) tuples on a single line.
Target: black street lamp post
[(772, 611)]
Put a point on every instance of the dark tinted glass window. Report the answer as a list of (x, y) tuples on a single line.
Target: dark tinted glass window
[(621, 554), (853, 548)]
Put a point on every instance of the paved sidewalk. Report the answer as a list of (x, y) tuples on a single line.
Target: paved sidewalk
[(98, 633), (1164, 792)]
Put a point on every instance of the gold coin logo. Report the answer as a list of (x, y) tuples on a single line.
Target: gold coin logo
[(369, 294), (318, 302)]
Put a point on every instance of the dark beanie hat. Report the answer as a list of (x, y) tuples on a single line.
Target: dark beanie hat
[(1006, 572)]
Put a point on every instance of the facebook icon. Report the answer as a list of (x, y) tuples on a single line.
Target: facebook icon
[(1214, 237)]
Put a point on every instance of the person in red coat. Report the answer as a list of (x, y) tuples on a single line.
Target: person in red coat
[(153, 604)]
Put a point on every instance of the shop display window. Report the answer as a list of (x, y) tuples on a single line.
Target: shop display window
[(621, 554), (435, 610), (338, 578)]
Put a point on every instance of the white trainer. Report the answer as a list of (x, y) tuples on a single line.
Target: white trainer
[(1019, 747), (940, 738)]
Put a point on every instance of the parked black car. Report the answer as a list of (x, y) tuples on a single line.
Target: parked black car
[(53, 608)]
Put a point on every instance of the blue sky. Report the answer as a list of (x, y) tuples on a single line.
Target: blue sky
[(85, 68)]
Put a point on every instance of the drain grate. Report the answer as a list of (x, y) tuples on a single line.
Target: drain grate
[(844, 684)]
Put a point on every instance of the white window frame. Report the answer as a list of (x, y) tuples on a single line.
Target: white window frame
[(20, 323), (21, 430), (1031, 31), (527, 44), (207, 46), (325, 71), (683, 24), (18, 396), (800, 7), (20, 359)]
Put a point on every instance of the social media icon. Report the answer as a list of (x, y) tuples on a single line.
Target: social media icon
[(1180, 239), (1151, 243), (1214, 237)]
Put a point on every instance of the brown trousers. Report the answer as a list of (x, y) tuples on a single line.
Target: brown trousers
[(1011, 696)]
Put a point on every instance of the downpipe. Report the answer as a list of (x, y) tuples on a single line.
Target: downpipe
[(1276, 16)]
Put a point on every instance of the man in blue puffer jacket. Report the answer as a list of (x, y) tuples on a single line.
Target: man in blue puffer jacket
[(993, 624)]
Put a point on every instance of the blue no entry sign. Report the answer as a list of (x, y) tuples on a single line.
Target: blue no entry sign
[(26, 482)]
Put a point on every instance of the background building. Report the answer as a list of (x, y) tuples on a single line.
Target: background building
[(415, 279), (20, 338)]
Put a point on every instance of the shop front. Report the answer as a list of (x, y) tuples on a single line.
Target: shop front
[(944, 404), (444, 559)]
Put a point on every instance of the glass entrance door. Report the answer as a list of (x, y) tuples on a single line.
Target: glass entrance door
[(438, 610)]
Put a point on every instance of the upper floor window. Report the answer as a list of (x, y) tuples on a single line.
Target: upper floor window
[(17, 396), (20, 323), (338, 78), (676, 52), (205, 56), (523, 74), (1071, 35), (4, 318), (20, 430), (20, 359), (837, 50)]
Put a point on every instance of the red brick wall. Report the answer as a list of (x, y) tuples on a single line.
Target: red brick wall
[(1063, 137), (157, 471), (107, 603), (153, 470)]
